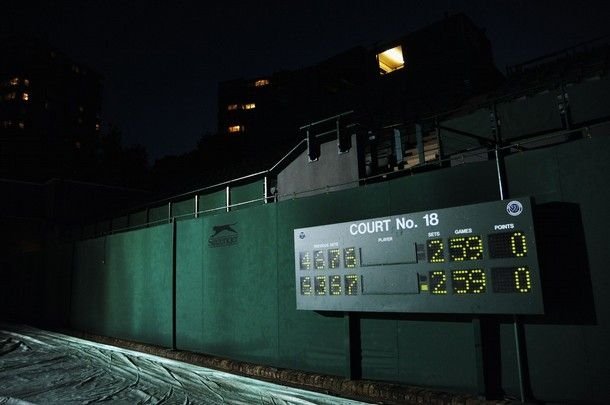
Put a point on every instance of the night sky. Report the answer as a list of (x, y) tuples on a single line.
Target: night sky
[(162, 61)]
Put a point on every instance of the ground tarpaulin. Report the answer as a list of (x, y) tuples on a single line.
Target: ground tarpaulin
[(42, 367)]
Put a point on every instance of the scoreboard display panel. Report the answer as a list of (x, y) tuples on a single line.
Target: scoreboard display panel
[(471, 259)]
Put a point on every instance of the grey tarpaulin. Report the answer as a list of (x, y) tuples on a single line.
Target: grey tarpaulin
[(42, 367)]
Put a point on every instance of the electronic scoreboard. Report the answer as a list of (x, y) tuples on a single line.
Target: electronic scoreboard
[(478, 258)]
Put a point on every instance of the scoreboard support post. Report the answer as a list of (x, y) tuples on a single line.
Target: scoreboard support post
[(353, 349)]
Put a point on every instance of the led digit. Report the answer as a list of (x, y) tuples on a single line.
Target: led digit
[(318, 259), (523, 280), (320, 285), (351, 284), (465, 248), (305, 260), (472, 281), (438, 282), (436, 251), (349, 257), (507, 245), (334, 258), (335, 285), (518, 245), (306, 285)]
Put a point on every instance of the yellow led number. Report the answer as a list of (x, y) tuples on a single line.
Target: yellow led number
[(465, 248), (438, 282), (470, 281), (436, 251)]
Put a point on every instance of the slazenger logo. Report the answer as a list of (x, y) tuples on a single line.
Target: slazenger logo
[(224, 235)]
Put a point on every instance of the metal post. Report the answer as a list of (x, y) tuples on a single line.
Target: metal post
[(419, 136), (169, 212), (440, 141), (173, 241), (353, 355), (228, 198), (196, 205), (265, 190), (503, 189)]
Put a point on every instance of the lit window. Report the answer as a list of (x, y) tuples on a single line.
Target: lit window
[(14, 81), (97, 127), (236, 128), (26, 82), (249, 106), (261, 83), (21, 125), (10, 96), (391, 60), (232, 107), (25, 97)]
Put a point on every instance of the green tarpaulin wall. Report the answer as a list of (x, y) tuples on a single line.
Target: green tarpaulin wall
[(237, 299)]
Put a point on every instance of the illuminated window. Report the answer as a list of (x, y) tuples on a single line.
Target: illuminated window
[(232, 107), (26, 82), (390, 60), (25, 96), (249, 106), (21, 125), (10, 96), (236, 128), (14, 81), (97, 127), (261, 83)]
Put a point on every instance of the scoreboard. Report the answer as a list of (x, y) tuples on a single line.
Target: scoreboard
[(472, 259)]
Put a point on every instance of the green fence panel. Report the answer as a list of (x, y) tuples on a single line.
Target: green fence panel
[(89, 287), (122, 286), (213, 203), (189, 285), (380, 354), (239, 285), (139, 279), (247, 195), (575, 259), (57, 280), (440, 354)]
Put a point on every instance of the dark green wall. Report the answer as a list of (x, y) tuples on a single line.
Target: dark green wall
[(238, 301)]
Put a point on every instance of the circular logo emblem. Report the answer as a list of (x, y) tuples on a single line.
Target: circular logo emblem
[(302, 235), (514, 208)]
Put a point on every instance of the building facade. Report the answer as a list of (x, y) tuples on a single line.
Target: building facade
[(430, 70), (49, 110)]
